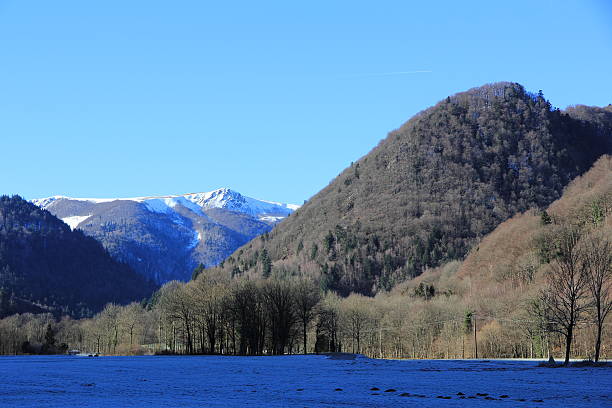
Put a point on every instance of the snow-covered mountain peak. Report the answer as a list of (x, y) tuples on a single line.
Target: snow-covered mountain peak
[(47, 201), (219, 198), (165, 237), (234, 201)]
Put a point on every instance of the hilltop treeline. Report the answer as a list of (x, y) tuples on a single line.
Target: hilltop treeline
[(46, 267), (432, 189)]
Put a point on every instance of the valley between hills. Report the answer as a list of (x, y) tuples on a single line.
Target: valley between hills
[(465, 233)]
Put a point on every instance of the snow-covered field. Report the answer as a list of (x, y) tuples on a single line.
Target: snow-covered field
[(294, 381)]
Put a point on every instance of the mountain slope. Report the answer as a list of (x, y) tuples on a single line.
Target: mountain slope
[(429, 191), (46, 266), (165, 238), (509, 250)]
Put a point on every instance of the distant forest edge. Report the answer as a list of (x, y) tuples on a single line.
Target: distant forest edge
[(459, 221), (431, 190)]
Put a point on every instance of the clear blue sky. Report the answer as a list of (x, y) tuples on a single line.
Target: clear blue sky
[(273, 99)]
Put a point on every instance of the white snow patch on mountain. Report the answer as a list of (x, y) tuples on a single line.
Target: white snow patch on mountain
[(270, 218), (157, 206), (196, 239), (187, 204), (292, 207), (45, 202), (167, 205), (75, 220)]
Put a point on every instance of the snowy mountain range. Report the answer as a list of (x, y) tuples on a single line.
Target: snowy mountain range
[(166, 237)]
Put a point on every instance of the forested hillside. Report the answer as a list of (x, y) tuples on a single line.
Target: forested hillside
[(432, 189), (45, 266)]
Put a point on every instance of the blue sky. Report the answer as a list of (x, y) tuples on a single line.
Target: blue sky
[(273, 99)]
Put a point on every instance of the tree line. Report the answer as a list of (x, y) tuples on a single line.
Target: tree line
[(217, 315)]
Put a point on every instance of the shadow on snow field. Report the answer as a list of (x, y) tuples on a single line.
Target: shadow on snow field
[(293, 381)]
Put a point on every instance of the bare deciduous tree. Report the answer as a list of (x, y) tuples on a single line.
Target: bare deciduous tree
[(564, 298), (209, 296), (598, 270), (108, 320), (176, 303), (355, 311), (306, 297), (279, 304), (130, 318)]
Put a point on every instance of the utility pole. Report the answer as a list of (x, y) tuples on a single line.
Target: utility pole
[(380, 342), (475, 340)]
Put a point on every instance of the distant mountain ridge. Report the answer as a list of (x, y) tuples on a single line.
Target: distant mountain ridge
[(224, 198), (166, 237)]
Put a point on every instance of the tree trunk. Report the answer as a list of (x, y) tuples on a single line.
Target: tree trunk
[(213, 341), (568, 345), (189, 341), (304, 333), (598, 342), (475, 339)]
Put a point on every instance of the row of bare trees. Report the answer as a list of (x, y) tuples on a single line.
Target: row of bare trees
[(218, 316), (253, 318)]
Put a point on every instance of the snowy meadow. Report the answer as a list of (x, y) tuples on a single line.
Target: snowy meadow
[(294, 381)]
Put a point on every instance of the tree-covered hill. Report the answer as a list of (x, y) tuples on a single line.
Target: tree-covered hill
[(429, 191), (44, 266)]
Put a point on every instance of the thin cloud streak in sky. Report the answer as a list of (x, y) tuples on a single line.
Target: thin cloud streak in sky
[(422, 71)]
